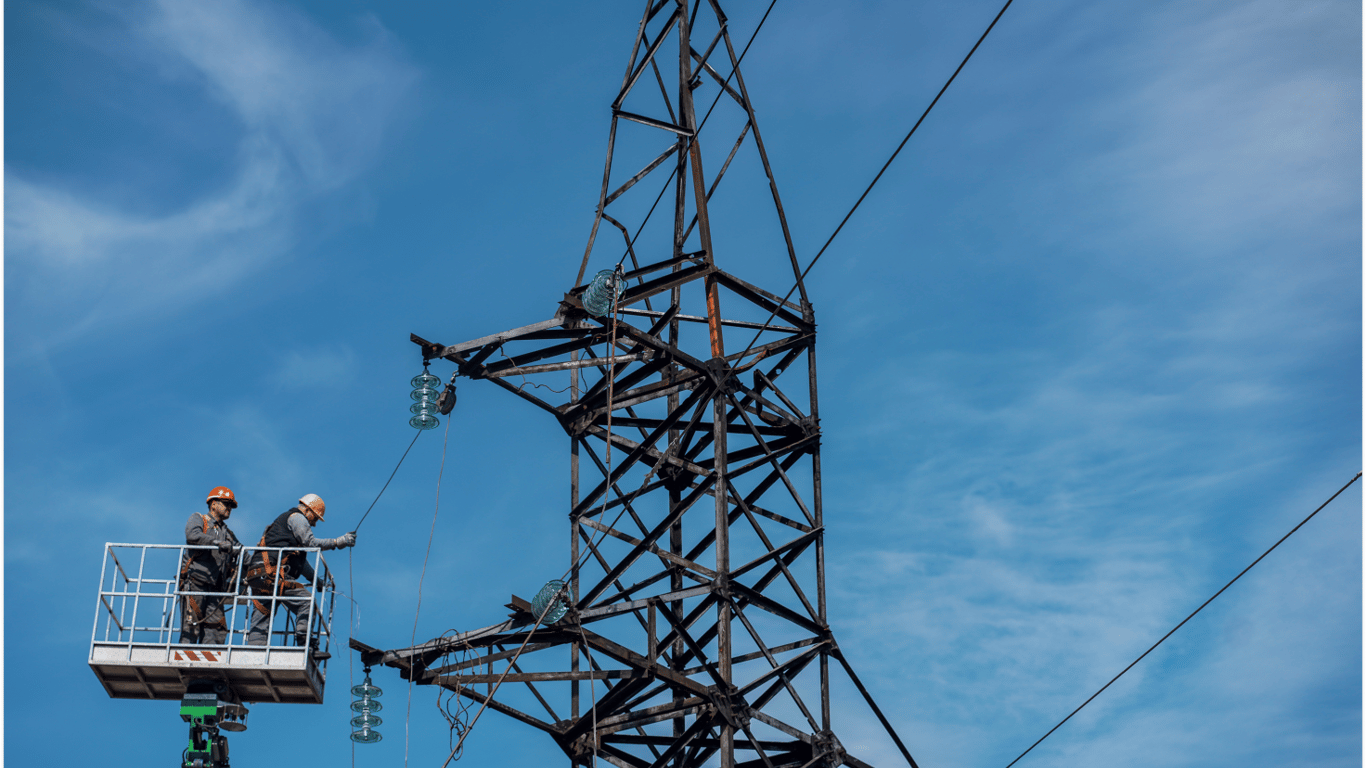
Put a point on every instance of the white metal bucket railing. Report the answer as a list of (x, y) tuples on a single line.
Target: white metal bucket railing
[(139, 598)]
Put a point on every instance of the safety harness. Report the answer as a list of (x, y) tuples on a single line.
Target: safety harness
[(264, 578), (195, 610)]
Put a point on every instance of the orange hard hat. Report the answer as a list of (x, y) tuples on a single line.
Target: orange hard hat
[(315, 503), (223, 494)]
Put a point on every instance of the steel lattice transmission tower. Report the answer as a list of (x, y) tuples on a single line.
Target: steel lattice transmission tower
[(697, 626)]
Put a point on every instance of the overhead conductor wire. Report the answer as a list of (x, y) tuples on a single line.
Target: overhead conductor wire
[(1188, 618), (872, 183)]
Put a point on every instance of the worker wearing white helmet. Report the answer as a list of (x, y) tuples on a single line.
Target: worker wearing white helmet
[(274, 570)]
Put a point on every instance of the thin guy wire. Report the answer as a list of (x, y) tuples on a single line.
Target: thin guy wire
[(350, 573), (527, 382), (611, 384), (391, 477), (351, 612), (616, 316), (353, 621), (885, 165), (1188, 618), (592, 692), (432, 534)]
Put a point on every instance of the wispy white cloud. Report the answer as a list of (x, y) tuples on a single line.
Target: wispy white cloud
[(313, 114), (1243, 138), (311, 368), (1059, 505)]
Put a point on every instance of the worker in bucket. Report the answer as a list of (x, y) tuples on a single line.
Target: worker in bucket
[(276, 572), (208, 570)]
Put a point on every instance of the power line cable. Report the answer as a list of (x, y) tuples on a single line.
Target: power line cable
[(871, 184), (391, 477), (1188, 618)]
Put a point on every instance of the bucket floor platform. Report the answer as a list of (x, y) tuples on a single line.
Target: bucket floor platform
[(134, 646), (160, 671)]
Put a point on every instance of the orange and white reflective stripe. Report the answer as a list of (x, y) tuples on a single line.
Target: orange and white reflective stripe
[(197, 655)]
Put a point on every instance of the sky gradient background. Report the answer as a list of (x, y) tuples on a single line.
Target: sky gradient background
[(1092, 345)]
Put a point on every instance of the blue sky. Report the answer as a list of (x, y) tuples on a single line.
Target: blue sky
[(1091, 345)]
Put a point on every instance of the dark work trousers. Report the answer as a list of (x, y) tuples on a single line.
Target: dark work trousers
[(298, 601), (201, 616)]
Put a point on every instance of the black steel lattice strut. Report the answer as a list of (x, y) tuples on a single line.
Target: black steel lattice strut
[(702, 627)]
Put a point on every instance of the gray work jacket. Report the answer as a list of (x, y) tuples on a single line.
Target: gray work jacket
[(203, 530)]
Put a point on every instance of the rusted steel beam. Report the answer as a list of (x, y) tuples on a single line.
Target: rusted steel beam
[(539, 677), (627, 421), (768, 169), (791, 579), (652, 548), (780, 670), (596, 398), (498, 706), (868, 697), (447, 669), (725, 322), (649, 56), (640, 549), (631, 182), (635, 605), (648, 715), (635, 455), (582, 363), (760, 600), (775, 649), (801, 542), (492, 370), (652, 122), (721, 81), (503, 336)]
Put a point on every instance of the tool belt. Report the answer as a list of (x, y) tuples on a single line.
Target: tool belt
[(264, 579), (197, 607), (194, 604)]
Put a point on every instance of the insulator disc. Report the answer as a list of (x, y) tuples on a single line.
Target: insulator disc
[(423, 421), (366, 721), (425, 393), (365, 736), (557, 609), (366, 705), (425, 380), (600, 294), (367, 689)]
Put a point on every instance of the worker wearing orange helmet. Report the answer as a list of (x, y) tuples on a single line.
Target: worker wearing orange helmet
[(208, 570), (275, 569)]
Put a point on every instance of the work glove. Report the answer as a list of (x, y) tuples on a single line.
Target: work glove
[(225, 546), (346, 540)]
